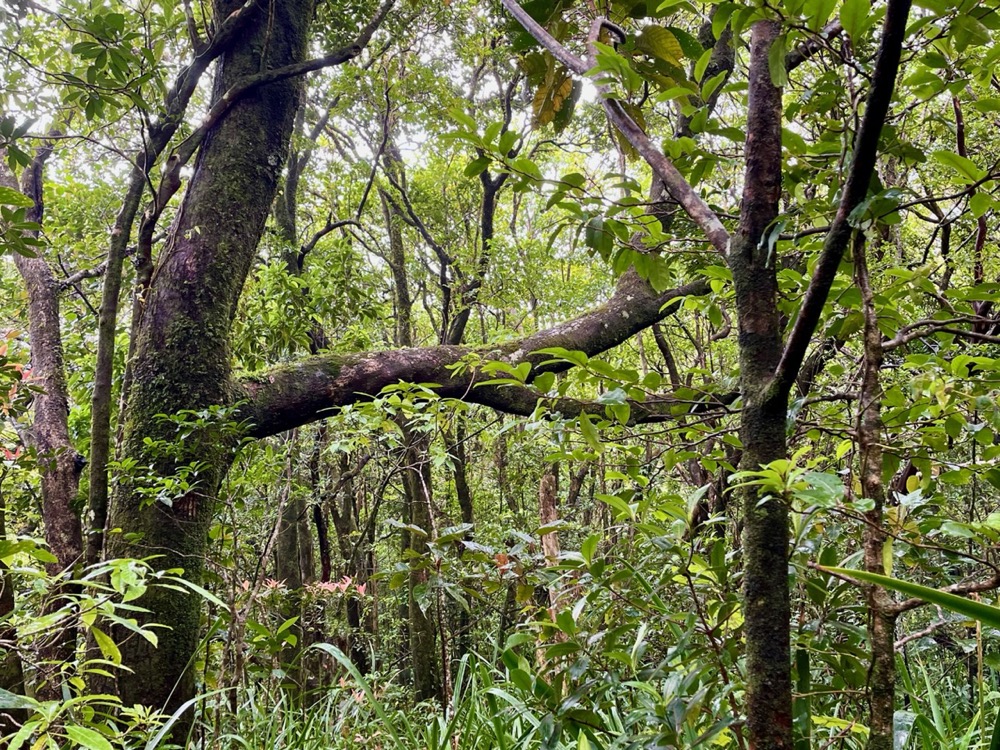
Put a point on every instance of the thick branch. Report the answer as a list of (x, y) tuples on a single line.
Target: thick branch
[(225, 102), (960, 589), (296, 394)]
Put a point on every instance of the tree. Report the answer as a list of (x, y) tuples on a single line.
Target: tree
[(188, 291)]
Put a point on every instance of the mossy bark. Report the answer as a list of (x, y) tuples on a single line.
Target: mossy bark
[(294, 565), (182, 356), (423, 631), (762, 426), (11, 669)]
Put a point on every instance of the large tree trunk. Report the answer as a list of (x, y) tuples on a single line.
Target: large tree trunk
[(182, 356)]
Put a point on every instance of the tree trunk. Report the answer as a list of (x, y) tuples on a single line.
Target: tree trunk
[(881, 616), (427, 683), (59, 463), (293, 564), (182, 356), (762, 423), (11, 669)]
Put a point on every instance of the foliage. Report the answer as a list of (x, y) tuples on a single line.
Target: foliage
[(616, 620)]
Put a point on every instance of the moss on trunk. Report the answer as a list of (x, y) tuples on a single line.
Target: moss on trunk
[(182, 358)]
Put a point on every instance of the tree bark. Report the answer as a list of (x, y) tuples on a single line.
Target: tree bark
[(881, 616), (294, 565), (59, 463), (158, 138), (762, 421), (11, 668), (403, 334), (291, 395), (182, 342), (417, 479)]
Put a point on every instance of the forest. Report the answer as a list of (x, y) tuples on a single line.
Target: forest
[(499, 374)]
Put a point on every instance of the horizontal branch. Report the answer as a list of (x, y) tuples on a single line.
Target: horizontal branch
[(295, 394), (964, 588), (929, 630), (85, 273)]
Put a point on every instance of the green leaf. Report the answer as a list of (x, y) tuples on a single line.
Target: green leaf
[(589, 547), (590, 433), (621, 413), (702, 65), (818, 12), (995, 742), (463, 118), (984, 613), (544, 381), (204, 593), (87, 738), (965, 168), (598, 238), (108, 647), (622, 508), (776, 61), (802, 706), (660, 42), (720, 19), (477, 166), (564, 355), (966, 31), (980, 204), (854, 17), (9, 700), (11, 197), (688, 42), (825, 490)]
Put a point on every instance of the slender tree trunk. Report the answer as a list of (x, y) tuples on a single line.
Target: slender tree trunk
[(881, 616), (427, 682), (59, 463), (293, 564), (463, 635), (100, 406), (353, 551), (762, 425), (403, 335), (420, 629), (548, 513)]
